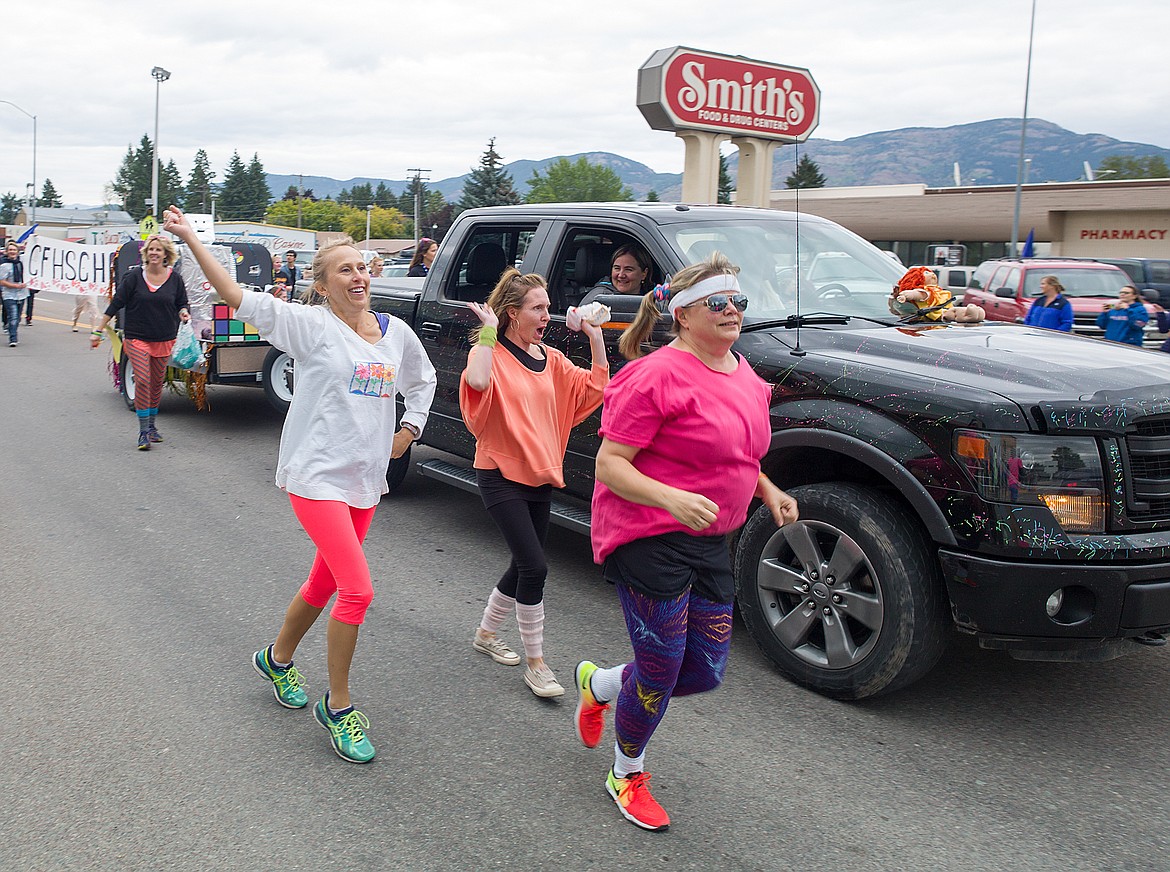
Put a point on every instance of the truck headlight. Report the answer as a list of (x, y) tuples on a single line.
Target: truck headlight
[(1063, 473)]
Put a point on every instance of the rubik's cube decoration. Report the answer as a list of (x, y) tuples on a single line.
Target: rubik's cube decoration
[(227, 329)]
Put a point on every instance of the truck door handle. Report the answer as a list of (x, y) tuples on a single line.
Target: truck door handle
[(430, 330)]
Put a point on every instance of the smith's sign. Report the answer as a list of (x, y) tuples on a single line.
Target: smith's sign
[(685, 89)]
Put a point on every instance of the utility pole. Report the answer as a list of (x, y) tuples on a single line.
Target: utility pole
[(300, 196), (418, 180)]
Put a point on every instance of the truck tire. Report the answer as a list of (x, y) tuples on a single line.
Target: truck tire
[(277, 378), (397, 470), (126, 378), (848, 601)]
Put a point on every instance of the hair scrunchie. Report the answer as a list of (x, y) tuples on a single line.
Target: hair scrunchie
[(661, 295)]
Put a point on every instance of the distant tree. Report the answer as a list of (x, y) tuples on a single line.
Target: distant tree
[(49, 198), (199, 185), (579, 181), (1118, 166), (652, 196), (9, 205), (383, 196), (806, 175), (406, 201), (489, 184), (132, 183), (235, 198), (315, 214), (258, 191), (726, 185), (291, 193), (361, 196), (170, 186), (384, 223)]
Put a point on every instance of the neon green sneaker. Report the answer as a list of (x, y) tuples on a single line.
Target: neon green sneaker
[(347, 733), (287, 683)]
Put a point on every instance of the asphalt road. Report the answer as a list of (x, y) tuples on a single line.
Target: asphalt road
[(135, 735)]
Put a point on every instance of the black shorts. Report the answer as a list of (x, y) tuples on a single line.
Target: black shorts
[(666, 566)]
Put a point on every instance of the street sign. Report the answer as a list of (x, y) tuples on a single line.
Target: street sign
[(147, 227)]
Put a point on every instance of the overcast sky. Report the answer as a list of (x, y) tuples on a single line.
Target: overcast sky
[(372, 88)]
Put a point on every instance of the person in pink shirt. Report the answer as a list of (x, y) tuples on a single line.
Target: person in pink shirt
[(683, 432), (520, 399)]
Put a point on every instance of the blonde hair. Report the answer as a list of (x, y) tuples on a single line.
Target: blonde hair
[(509, 293), (314, 297), (648, 315), (170, 252)]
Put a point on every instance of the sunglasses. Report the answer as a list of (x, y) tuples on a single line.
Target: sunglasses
[(718, 302)]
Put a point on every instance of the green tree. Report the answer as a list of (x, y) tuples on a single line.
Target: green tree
[(361, 196), (489, 184), (49, 198), (170, 186), (383, 196), (316, 215), (9, 205), (384, 223), (726, 186), (806, 175), (258, 192), (1120, 166), (579, 181), (291, 193), (199, 185), (652, 196), (132, 183)]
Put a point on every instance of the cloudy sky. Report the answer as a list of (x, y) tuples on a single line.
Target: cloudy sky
[(372, 88)]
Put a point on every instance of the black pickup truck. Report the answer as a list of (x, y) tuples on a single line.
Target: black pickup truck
[(1008, 482)]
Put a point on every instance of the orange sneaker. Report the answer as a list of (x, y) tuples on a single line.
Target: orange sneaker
[(589, 718), (634, 801)]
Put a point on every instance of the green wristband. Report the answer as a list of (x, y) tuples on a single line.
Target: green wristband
[(487, 337)]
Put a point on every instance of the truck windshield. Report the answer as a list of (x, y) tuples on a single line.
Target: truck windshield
[(827, 267), (1091, 282)]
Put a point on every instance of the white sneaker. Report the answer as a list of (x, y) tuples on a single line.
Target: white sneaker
[(542, 682), (494, 647)]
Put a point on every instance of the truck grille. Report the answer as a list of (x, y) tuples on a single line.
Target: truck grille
[(1147, 445)]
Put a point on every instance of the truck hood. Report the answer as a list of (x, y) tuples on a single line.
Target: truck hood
[(1071, 382)]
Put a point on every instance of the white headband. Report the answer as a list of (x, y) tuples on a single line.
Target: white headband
[(696, 292)]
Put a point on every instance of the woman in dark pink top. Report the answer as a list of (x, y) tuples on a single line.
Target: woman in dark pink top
[(684, 430)]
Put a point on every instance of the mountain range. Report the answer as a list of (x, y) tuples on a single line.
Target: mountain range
[(987, 153)]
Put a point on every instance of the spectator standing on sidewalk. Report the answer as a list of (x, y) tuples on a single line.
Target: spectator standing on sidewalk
[(339, 434), (13, 290), (683, 432), (520, 399), (1125, 321)]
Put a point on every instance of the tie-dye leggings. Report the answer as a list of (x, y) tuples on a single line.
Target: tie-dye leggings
[(680, 647)]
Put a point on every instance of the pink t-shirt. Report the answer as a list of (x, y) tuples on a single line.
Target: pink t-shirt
[(698, 430)]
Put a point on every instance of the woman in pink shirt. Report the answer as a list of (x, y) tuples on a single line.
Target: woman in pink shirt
[(684, 430), (520, 399)]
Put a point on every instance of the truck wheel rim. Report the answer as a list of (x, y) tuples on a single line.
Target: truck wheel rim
[(820, 595), (282, 377)]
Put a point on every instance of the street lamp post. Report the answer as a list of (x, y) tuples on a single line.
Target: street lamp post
[(33, 204), (369, 211), (1023, 138), (160, 75)]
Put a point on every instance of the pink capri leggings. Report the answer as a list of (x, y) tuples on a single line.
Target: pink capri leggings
[(338, 531)]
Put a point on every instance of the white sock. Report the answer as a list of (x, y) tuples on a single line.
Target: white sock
[(623, 765), (531, 622), (499, 606), (606, 684)]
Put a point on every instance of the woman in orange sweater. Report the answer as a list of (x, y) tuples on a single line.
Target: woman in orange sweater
[(520, 399)]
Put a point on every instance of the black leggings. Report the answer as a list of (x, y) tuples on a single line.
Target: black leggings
[(524, 524)]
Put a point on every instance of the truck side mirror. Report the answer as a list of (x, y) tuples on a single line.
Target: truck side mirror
[(1150, 295), (1005, 292)]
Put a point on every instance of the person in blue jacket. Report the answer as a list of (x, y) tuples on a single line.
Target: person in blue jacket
[(1124, 321), (1163, 318), (1052, 311)]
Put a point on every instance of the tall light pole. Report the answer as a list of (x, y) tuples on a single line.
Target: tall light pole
[(1023, 138), (418, 180), (33, 204), (369, 211), (160, 75)]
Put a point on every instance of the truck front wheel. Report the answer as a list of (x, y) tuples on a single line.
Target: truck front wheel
[(847, 601), (277, 378), (126, 377)]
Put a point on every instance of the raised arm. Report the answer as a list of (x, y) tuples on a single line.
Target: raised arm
[(229, 290)]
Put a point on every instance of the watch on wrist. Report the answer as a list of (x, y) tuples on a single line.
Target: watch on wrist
[(414, 431)]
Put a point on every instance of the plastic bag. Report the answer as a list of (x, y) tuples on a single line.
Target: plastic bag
[(187, 351)]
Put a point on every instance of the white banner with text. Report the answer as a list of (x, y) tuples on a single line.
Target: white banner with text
[(67, 267)]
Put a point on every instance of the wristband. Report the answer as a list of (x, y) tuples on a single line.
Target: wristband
[(487, 337), (414, 431)]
